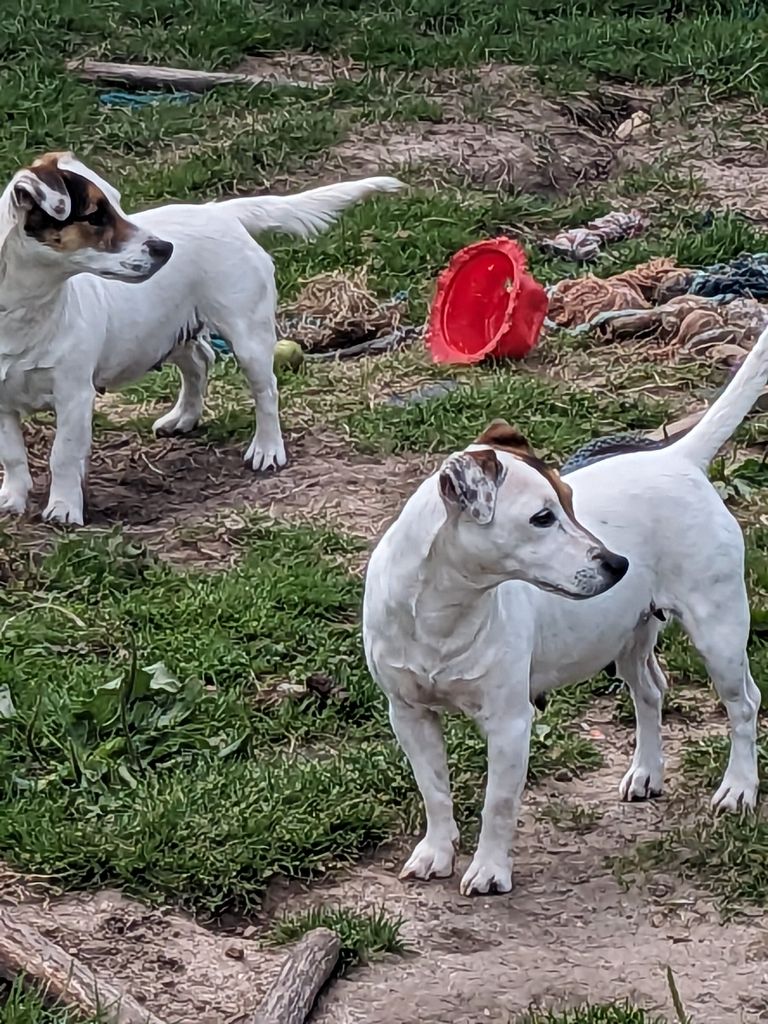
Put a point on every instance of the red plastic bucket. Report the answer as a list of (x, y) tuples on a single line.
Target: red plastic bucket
[(485, 304)]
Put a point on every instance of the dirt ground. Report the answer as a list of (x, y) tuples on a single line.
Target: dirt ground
[(185, 497), (567, 933)]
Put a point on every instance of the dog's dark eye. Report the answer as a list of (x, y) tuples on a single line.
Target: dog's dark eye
[(544, 518), (98, 218)]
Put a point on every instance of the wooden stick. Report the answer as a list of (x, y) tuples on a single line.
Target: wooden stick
[(25, 952), (306, 969), (678, 425), (150, 76)]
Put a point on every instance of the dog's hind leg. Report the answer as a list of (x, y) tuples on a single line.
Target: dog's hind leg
[(194, 359), (419, 733), (719, 629), (638, 666), (13, 454), (253, 342)]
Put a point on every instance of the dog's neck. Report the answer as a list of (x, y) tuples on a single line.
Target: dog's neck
[(453, 598), (30, 297), (435, 598)]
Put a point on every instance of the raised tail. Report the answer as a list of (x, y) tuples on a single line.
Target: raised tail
[(307, 213), (722, 419)]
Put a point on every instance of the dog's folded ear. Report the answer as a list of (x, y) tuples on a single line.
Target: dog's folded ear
[(500, 434), (469, 483), (43, 187)]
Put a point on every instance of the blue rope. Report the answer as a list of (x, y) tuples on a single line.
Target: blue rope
[(140, 100), (745, 275)]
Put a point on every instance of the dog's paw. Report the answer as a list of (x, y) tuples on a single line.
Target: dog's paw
[(261, 457), (485, 876), (59, 510), (735, 794), (12, 502), (430, 860), (174, 423), (641, 783)]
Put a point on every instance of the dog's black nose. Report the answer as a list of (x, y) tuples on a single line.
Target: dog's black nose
[(158, 249), (614, 566)]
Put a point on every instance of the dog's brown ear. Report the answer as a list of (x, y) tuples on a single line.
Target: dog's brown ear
[(42, 185), (501, 434), (469, 483)]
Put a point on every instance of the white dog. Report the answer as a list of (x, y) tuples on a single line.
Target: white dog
[(71, 325), (466, 609)]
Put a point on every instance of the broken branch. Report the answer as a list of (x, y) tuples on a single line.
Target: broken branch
[(150, 76), (307, 968), (26, 953)]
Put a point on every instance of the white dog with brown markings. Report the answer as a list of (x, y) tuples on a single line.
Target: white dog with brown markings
[(71, 323), (466, 609)]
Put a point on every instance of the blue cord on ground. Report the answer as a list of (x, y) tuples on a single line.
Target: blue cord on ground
[(141, 100)]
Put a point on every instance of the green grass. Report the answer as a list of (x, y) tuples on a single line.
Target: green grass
[(364, 936), (649, 41), (556, 419), (611, 1013), (25, 1006), (141, 744)]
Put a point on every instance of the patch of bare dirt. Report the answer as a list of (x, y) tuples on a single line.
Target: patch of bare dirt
[(497, 130), (721, 147), (567, 934), (182, 495), (302, 68), (178, 970), (534, 148)]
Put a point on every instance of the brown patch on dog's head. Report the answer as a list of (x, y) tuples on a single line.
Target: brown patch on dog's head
[(91, 222), (501, 434), (506, 438)]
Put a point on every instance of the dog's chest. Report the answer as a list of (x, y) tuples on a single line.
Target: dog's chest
[(429, 677)]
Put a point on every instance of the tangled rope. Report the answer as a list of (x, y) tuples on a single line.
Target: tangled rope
[(337, 310)]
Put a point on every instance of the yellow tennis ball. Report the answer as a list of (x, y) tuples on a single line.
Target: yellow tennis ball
[(289, 355)]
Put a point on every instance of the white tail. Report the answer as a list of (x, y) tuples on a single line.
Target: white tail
[(702, 443), (308, 213)]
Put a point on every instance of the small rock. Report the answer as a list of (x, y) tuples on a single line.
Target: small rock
[(234, 952), (636, 125)]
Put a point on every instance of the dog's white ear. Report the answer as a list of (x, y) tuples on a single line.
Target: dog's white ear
[(469, 483), (44, 188)]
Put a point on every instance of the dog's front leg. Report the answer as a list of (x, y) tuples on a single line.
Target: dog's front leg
[(69, 454), (13, 454), (419, 733), (508, 731)]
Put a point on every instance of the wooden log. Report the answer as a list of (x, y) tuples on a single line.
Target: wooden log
[(26, 953), (307, 968), (150, 76)]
